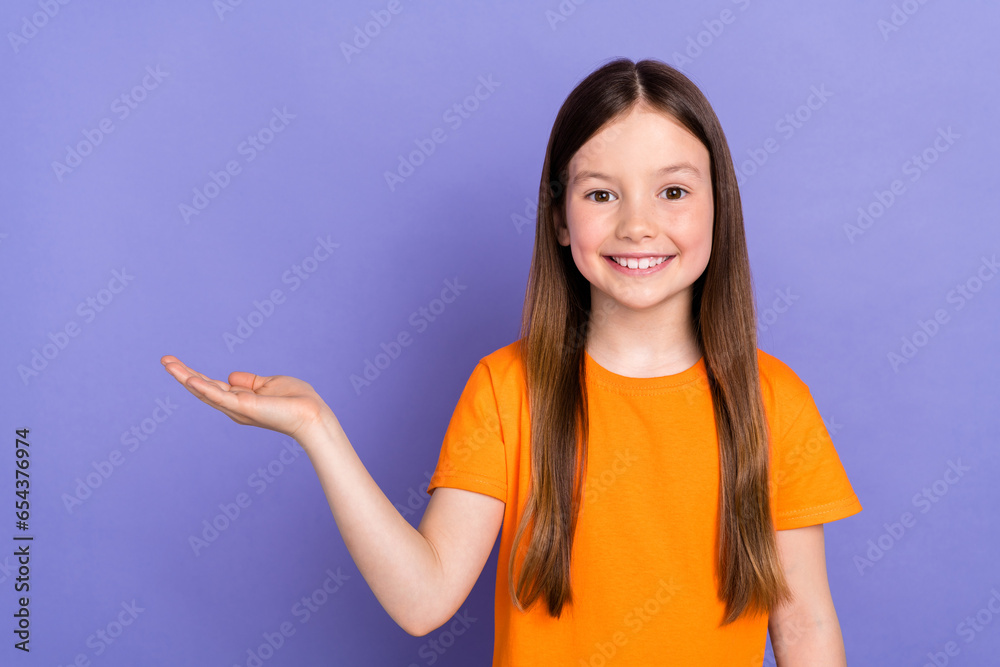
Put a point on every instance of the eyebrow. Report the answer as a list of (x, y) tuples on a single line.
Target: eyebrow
[(686, 167)]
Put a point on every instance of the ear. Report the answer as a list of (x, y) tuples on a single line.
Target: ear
[(562, 232)]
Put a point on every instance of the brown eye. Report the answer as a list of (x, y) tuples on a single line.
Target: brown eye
[(600, 196), (674, 192)]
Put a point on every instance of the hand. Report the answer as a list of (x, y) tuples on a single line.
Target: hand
[(278, 402)]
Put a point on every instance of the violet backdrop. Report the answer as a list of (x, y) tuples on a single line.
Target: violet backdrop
[(209, 180)]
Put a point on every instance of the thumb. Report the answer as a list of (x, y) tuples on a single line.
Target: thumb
[(246, 380)]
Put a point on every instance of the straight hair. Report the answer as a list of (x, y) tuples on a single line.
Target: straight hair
[(554, 326)]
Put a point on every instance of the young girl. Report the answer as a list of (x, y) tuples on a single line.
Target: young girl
[(659, 484)]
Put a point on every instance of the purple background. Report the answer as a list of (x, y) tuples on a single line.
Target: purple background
[(461, 215)]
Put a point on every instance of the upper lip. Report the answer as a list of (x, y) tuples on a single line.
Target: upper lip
[(637, 255)]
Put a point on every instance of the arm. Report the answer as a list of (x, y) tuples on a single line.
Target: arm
[(421, 577), (805, 631)]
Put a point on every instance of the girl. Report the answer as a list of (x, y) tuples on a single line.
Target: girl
[(661, 497)]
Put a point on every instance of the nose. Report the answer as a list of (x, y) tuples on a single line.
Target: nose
[(637, 219)]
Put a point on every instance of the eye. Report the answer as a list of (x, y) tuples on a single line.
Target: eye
[(675, 190), (602, 200)]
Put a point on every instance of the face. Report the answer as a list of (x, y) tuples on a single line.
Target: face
[(639, 194)]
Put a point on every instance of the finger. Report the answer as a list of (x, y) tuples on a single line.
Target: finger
[(182, 372), (209, 392), (208, 382), (249, 381), (218, 399), (178, 371), (195, 383)]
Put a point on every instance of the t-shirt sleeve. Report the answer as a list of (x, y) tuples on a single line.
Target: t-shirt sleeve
[(811, 485), (472, 454)]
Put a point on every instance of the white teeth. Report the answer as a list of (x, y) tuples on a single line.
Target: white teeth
[(643, 263)]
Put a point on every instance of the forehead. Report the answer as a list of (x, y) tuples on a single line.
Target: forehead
[(643, 139)]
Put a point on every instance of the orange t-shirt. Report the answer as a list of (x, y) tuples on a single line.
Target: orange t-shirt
[(642, 571)]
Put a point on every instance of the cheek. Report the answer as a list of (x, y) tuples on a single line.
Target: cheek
[(584, 229), (696, 238), (583, 255)]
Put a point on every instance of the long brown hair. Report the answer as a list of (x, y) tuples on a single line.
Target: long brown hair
[(554, 326)]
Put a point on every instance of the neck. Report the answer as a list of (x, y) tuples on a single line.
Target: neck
[(652, 342)]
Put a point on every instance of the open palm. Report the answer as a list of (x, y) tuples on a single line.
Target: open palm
[(278, 402)]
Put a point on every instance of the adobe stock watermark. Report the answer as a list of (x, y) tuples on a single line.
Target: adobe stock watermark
[(915, 166), (99, 472), (415, 500), (597, 486), (926, 330), (230, 511), (968, 629), (7, 569), (454, 116), (795, 626), (898, 17), (576, 337), (634, 620), (363, 35), (303, 610), (432, 649), (105, 636), (122, 107), (698, 43), (31, 24), (589, 151), (562, 12), (767, 317), (801, 457), (88, 310), (488, 433), (925, 500), (786, 126), (529, 217), (249, 149), (420, 320), (263, 310), (223, 7)]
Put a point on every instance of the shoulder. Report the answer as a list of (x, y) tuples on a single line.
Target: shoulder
[(783, 391), (778, 378), (504, 362), (503, 369)]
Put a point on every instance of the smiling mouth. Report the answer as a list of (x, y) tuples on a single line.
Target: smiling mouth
[(639, 262)]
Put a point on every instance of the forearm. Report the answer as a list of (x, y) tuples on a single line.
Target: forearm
[(395, 559), (813, 641)]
